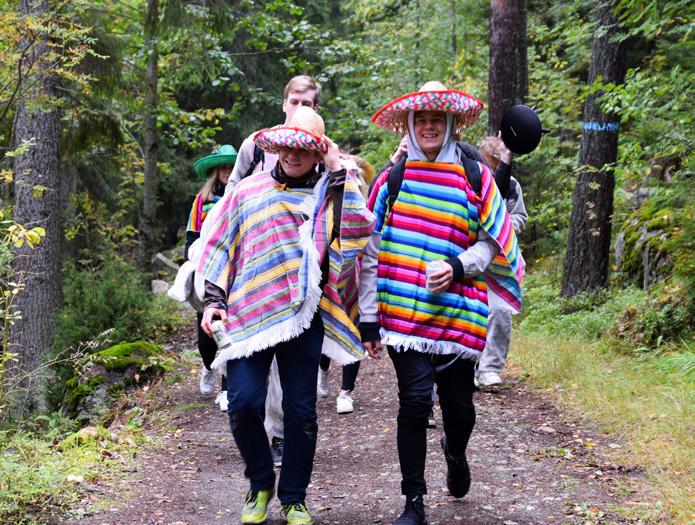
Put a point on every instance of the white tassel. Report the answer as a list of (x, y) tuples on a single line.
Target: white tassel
[(403, 343)]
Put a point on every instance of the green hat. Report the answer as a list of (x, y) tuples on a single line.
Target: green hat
[(225, 155)]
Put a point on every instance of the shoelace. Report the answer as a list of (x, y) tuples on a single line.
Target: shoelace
[(251, 497), (299, 507)]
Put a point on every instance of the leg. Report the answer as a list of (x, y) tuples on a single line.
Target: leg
[(499, 328), (246, 391), (455, 388), (325, 362), (298, 364), (350, 376), (273, 403), (415, 373), (206, 345)]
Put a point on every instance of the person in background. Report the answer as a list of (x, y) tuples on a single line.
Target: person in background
[(440, 242), (280, 265), (344, 403), (499, 320), (217, 168)]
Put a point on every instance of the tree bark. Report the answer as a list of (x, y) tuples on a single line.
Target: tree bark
[(37, 203), (148, 213), (508, 77), (588, 246)]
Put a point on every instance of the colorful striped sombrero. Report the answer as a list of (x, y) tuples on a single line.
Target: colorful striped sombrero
[(304, 130), (432, 96)]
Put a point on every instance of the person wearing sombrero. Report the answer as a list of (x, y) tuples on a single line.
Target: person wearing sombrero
[(216, 167), (280, 268), (447, 210)]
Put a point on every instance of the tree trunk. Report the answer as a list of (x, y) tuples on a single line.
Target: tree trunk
[(588, 246), (148, 213), (37, 203), (508, 78)]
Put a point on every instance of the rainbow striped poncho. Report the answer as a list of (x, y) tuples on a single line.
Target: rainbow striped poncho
[(265, 243), (199, 211), (438, 215)]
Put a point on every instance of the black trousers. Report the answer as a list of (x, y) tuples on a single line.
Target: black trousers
[(417, 373), (208, 348), (349, 372)]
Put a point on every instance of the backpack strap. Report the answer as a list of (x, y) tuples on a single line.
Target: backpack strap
[(258, 156)]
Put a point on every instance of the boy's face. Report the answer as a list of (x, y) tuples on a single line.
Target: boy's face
[(430, 129), (297, 162), (294, 100)]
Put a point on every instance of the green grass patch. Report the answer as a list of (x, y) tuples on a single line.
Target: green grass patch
[(646, 399), (45, 470)]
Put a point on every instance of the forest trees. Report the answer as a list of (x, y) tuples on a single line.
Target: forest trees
[(588, 247)]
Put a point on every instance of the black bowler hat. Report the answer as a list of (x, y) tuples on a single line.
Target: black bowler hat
[(521, 129)]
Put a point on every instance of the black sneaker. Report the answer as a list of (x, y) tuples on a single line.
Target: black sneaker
[(276, 445), (458, 475), (413, 513)]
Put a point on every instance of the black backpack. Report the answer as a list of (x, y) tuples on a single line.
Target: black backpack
[(469, 160), (258, 156)]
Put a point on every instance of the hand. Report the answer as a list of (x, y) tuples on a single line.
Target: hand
[(401, 151), (209, 315), (373, 348), (441, 280), (505, 154), (331, 158)]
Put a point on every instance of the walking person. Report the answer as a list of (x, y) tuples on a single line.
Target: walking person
[(280, 269), (217, 168), (300, 91), (442, 239), (499, 319)]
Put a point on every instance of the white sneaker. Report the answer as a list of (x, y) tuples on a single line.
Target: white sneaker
[(489, 379), (322, 388), (207, 381), (222, 400), (343, 402)]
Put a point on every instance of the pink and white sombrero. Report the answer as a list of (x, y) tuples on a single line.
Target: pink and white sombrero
[(432, 96), (304, 130)]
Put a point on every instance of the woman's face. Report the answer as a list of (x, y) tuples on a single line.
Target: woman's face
[(223, 172), (430, 130), (297, 162)]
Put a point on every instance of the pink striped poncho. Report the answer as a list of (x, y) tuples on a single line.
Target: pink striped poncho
[(265, 243)]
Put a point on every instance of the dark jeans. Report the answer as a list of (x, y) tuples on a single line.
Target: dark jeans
[(349, 372), (417, 375), (298, 363), (208, 348)]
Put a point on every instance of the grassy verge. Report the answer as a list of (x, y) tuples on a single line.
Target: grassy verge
[(646, 396)]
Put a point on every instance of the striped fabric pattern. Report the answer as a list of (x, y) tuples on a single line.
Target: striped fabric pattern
[(265, 244), (199, 211), (438, 215)]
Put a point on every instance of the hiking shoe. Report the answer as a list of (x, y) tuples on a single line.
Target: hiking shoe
[(489, 379), (322, 389), (256, 506), (276, 446), (431, 422), (296, 514), (207, 381), (458, 475), (222, 400), (413, 513), (343, 403)]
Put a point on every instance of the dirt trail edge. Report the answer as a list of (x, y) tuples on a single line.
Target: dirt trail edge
[(529, 463)]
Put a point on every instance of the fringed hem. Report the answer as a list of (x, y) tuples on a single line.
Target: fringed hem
[(337, 353), (289, 328), (402, 343)]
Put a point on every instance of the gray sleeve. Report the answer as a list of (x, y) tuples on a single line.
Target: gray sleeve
[(368, 275), (243, 161), (515, 206), (479, 256)]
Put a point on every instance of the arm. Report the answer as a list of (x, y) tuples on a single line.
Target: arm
[(243, 161), (515, 205)]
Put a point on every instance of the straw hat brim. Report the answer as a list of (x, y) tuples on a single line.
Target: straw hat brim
[(394, 115), (274, 139), (203, 166)]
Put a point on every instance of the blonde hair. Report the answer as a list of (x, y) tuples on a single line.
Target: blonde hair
[(302, 84), (207, 190), (490, 149)]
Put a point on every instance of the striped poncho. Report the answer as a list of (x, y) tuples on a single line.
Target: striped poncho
[(199, 211), (265, 244), (437, 216)]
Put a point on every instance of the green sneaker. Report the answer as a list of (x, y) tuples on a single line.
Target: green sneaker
[(296, 514), (256, 506)]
